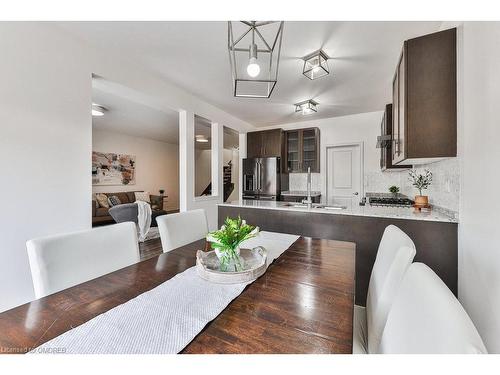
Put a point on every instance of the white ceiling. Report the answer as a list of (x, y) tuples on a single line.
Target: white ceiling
[(126, 114), (129, 117), (194, 56)]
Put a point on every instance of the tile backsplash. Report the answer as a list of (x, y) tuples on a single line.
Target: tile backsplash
[(298, 182), (443, 192)]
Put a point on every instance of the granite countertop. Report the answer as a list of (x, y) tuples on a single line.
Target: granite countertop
[(408, 213), (300, 193)]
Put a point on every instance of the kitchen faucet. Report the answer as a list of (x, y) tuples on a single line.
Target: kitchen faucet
[(308, 201)]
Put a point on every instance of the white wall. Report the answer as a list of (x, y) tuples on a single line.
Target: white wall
[(188, 199), (202, 170), (157, 164), (233, 156), (479, 245), (45, 144)]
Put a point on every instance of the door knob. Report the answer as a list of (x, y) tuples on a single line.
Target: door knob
[(356, 193)]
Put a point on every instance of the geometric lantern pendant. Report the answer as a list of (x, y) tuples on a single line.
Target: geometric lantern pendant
[(254, 56), (307, 107), (316, 65)]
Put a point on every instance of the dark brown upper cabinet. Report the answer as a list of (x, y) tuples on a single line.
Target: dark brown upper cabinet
[(263, 144), (424, 113), (302, 150), (385, 143)]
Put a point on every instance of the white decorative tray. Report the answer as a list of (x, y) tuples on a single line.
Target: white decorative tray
[(253, 262)]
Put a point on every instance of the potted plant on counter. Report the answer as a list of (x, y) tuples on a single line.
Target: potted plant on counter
[(421, 182), (226, 242), (394, 190)]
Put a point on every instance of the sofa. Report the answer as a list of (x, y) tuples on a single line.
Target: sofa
[(101, 216)]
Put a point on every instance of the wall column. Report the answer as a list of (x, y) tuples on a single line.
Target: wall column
[(186, 159)]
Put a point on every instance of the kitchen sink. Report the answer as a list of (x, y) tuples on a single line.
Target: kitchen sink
[(315, 205)]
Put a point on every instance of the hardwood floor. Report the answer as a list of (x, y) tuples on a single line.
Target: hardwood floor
[(150, 249)]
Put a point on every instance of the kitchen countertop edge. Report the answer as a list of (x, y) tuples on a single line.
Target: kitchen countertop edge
[(404, 213)]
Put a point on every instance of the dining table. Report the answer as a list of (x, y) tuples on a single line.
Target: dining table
[(303, 303)]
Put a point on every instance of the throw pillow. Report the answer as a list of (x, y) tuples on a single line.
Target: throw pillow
[(94, 199), (102, 199), (142, 196), (114, 201)]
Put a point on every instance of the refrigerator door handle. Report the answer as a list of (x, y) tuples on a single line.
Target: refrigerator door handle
[(259, 176)]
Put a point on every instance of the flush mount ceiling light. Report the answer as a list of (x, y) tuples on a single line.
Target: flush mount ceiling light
[(307, 107), (254, 60), (98, 110), (201, 139), (316, 65)]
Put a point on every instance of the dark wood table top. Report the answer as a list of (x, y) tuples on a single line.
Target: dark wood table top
[(304, 303)]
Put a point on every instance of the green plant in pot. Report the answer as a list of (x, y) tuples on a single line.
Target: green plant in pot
[(394, 190), (421, 182), (226, 242)]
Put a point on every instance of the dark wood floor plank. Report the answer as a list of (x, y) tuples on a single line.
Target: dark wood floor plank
[(150, 249)]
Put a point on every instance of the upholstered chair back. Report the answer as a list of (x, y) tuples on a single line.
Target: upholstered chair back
[(64, 260), (182, 228), (426, 318), (395, 254)]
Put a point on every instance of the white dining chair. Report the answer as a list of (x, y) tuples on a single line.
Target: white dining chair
[(395, 254), (426, 318), (182, 228), (60, 261)]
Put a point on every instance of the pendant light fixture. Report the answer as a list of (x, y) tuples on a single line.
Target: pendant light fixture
[(254, 60)]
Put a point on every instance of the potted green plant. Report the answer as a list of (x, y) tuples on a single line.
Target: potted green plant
[(226, 242), (394, 190), (421, 182)]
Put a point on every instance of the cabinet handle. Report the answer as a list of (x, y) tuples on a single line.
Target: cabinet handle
[(396, 147)]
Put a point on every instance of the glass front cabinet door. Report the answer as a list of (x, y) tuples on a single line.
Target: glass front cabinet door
[(302, 150)]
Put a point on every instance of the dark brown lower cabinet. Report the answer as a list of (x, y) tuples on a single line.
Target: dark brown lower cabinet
[(436, 242)]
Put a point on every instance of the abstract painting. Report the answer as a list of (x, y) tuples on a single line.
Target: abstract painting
[(112, 169)]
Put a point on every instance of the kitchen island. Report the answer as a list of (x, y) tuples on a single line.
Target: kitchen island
[(434, 233)]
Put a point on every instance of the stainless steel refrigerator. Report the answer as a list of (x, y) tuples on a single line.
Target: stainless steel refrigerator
[(262, 178)]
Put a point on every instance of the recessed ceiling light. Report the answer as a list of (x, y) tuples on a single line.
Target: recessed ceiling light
[(201, 139), (98, 110), (307, 107)]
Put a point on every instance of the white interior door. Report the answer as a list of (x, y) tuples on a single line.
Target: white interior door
[(344, 175)]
